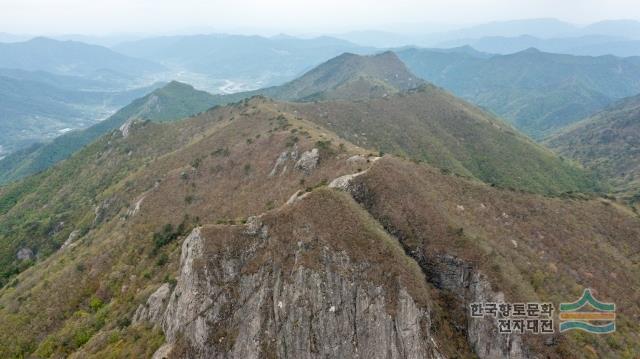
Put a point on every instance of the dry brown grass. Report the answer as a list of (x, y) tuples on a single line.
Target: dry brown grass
[(563, 246)]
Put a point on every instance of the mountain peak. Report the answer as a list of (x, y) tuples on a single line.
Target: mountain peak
[(351, 76), (531, 50), (177, 85)]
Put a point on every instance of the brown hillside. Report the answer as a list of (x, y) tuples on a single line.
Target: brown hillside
[(169, 212), (431, 125), (529, 246)]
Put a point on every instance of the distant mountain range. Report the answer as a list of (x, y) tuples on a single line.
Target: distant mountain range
[(348, 76), (259, 60), (607, 143), (588, 45), (536, 91), (49, 87), (545, 29), (429, 124), (72, 58)]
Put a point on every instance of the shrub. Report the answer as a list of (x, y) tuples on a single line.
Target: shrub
[(168, 234), (95, 304), (162, 260)]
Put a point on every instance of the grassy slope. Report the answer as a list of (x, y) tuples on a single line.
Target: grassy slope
[(172, 102), (213, 168), (184, 171), (531, 247), (608, 143), (431, 125)]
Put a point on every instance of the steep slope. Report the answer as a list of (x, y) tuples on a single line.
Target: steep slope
[(530, 248), (538, 92), (249, 157), (71, 57), (171, 102), (431, 125), (218, 236), (609, 144)]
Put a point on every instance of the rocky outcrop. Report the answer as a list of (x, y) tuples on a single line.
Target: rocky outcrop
[(345, 182), (470, 286), (24, 254), (224, 305), (153, 310), (126, 126), (455, 276), (281, 162), (73, 236), (308, 161)]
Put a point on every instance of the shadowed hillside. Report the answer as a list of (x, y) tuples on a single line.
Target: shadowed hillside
[(609, 144)]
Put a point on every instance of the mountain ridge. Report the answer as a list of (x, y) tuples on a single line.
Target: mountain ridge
[(536, 91), (607, 144)]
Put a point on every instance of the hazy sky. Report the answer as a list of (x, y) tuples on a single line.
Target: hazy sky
[(153, 16)]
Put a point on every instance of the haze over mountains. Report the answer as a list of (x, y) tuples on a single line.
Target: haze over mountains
[(536, 91), (239, 209), (614, 37), (249, 62), (235, 63), (444, 131), (317, 197)]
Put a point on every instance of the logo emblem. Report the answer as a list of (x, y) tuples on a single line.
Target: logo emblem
[(600, 320)]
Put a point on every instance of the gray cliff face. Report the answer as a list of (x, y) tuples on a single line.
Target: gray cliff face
[(470, 286), (236, 298), (219, 309), (453, 275)]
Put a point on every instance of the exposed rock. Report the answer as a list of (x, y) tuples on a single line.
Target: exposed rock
[(136, 207), (163, 352), (24, 254), (153, 310), (220, 309), (254, 227), (357, 160), (124, 129), (71, 239), (308, 161), (300, 194), (454, 275), (280, 163), (102, 209), (344, 182)]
